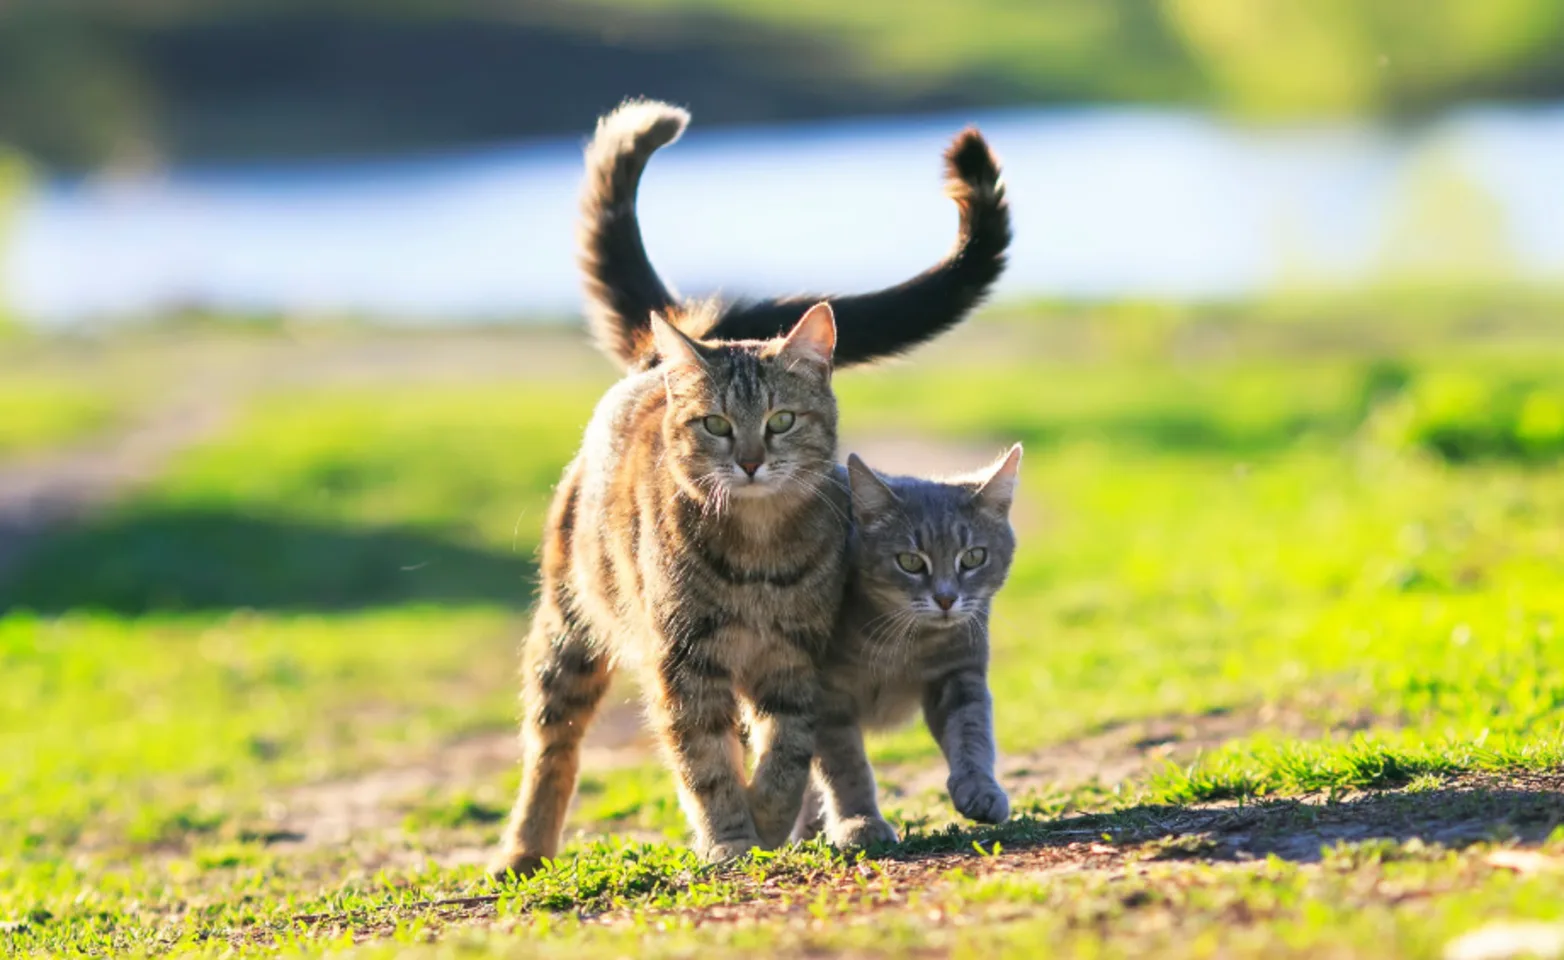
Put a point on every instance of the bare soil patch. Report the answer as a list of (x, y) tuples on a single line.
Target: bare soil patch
[(38, 492), (212, 377), (373, 804), (1122, 751)]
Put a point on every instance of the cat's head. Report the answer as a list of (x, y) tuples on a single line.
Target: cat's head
[(936, 551), (749, 420)]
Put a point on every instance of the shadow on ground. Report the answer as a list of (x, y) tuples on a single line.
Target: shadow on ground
[(1523, 807), (174, 560)]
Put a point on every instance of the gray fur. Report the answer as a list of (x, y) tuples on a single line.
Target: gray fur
[(896, 649)]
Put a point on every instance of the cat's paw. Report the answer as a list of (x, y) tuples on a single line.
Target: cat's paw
[(723, 851), (806, 829), (774, 819), (981, 799), (857, 833), (507, 866)]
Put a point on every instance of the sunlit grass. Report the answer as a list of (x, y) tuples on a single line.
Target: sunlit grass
[(47, 414), (143, 731)]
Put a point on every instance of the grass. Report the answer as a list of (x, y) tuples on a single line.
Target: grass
[(139, 732), (1312, 61), (1321, 654), (366, 497), (41, 414), (1048, 48)]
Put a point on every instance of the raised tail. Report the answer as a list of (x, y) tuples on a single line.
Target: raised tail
[(872, 326), (622, 288)]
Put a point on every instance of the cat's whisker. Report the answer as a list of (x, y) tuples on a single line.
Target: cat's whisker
[(974, 637), (716, 496), (891, 638), (816, 493)]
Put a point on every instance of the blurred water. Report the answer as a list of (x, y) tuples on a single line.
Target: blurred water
[(1107, 202)]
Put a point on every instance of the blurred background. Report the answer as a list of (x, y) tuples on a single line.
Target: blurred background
[(418, 160)]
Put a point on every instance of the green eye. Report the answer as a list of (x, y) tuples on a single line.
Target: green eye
[(781, 421), (910, 562), (717, 426), (974, 558)]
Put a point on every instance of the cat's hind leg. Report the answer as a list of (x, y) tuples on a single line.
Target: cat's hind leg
[(565, 675)]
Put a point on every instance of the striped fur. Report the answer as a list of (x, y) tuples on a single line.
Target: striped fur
[(624, 291), (897, 647), (720, 588)]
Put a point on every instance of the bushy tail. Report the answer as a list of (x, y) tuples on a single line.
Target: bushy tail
[(622, 288), (871, 326)]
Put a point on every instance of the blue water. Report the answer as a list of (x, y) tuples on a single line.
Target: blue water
[(1107, 202)]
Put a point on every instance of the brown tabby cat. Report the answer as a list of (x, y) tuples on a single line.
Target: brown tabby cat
[(699, 535), (925, 561)]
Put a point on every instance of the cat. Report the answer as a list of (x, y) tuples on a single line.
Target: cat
[(924, 563), (623, 291), (700, 536)]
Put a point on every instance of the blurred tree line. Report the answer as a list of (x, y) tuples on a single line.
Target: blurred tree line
[(89, 82)]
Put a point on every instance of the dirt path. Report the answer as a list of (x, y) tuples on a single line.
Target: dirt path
[(374, 804), (198, 382), (42, 491), (1130, 749)]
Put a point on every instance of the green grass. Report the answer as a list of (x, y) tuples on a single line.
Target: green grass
[(137, 732), (331, 500), (1218, 533), (1312, 60), (46, 413), (1047, 47)]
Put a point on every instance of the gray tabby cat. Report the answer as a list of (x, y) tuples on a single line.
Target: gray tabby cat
[(925, 560)]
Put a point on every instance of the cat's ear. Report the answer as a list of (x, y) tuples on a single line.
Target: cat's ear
[(998, 489), (675, 348), (813, 338), (871, 495)]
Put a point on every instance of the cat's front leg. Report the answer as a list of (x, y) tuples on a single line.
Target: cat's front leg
[(853, 817), (696, 713), (811, 817), (784, 691), (960, 714)]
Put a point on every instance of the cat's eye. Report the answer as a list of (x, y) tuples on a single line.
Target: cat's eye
[(974, 558), (781, 421), (717, 426), (910, 562)]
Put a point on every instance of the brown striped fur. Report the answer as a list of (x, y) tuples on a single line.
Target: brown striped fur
[(720, 588), (910, 637)]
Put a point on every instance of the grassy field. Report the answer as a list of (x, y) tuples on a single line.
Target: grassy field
[(42, 414), (1277, 672)]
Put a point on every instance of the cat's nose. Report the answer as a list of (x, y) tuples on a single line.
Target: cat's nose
[(945, 601), (750, 466)]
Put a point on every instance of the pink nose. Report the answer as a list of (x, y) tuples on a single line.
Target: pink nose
[(749, 466), (945, 601)]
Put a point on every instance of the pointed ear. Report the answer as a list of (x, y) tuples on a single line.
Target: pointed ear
[(871, 495), (813, 338), (673, 346), (998, 489)]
